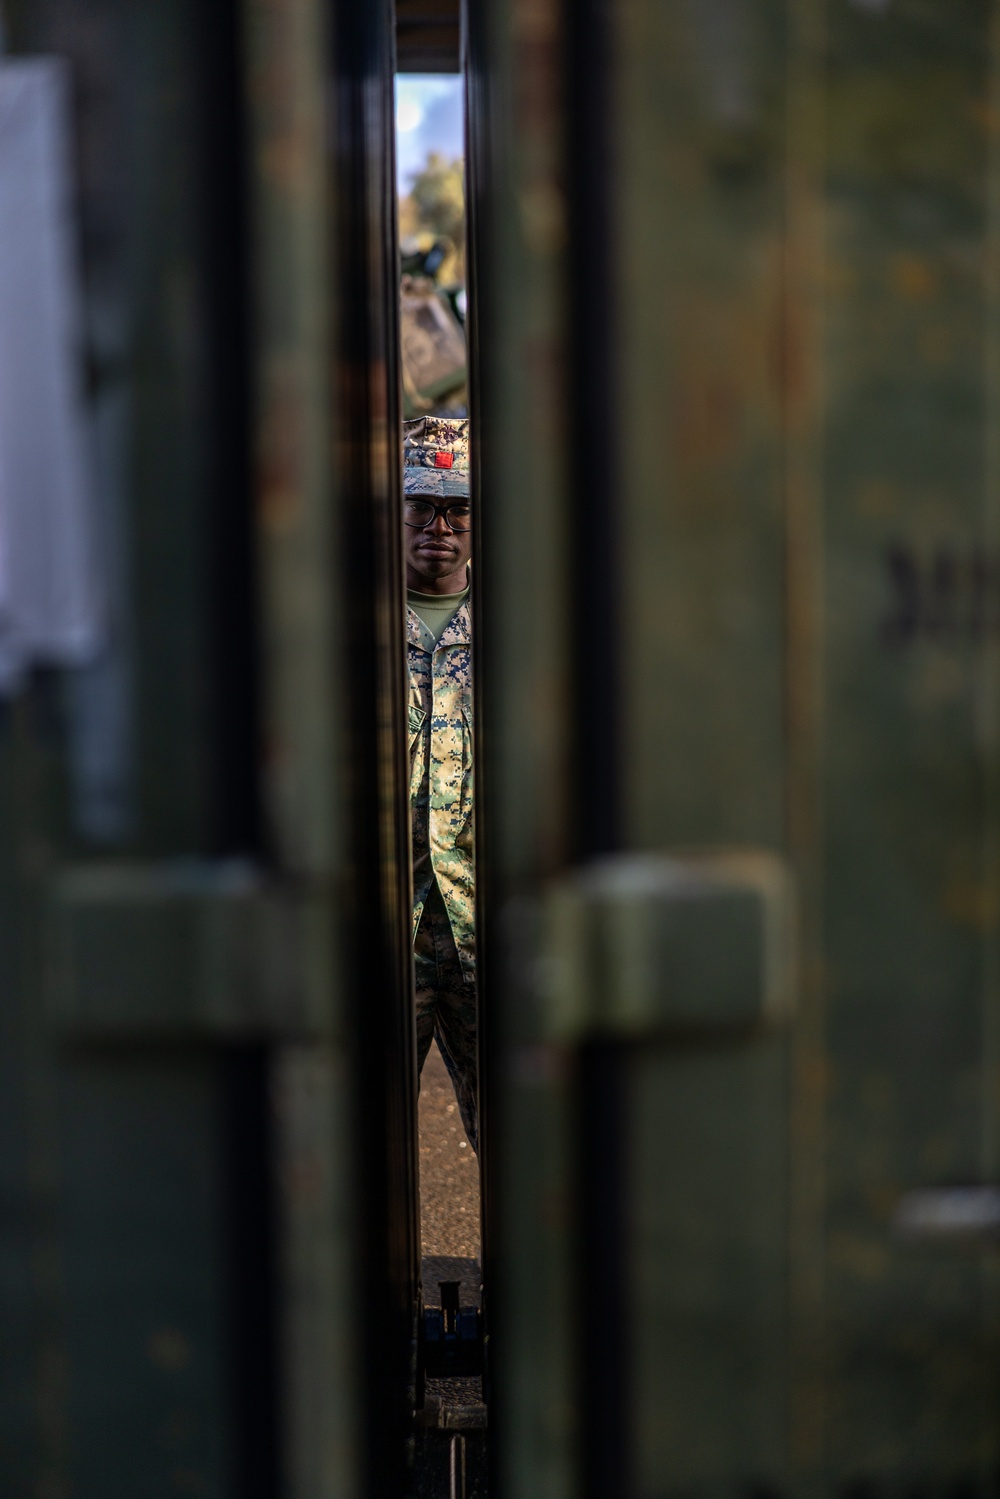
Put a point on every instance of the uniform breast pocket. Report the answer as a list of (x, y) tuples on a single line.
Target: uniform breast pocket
[(416, 717), (468, 746)]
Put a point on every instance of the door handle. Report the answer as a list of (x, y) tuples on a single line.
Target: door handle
[(180, 948), (692, 945)]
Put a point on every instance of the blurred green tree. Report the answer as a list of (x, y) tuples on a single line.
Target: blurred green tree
[(434, 209)]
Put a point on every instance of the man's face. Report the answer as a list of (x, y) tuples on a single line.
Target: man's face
[(437, 556)]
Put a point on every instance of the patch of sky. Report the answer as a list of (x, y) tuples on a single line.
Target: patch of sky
[(428, 118)]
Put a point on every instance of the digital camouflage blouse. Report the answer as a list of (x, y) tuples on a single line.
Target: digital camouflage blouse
[(441, 778)]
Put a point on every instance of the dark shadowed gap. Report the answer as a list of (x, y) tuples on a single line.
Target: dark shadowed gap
[(479, 183), (226, 302), (378, 917), (604, 1303), (595, 531), (251, 1267)]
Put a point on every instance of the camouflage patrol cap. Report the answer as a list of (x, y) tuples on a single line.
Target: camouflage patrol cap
[(436, 456)]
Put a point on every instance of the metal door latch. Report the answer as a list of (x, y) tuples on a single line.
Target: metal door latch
[(645, 945), (452, 1337)]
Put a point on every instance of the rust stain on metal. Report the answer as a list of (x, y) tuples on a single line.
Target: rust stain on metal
[(911, 276)]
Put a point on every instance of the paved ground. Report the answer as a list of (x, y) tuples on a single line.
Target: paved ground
[(449, 1173), (449, 1207)]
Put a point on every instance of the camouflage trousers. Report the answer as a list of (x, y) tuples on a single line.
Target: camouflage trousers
[(446, 1008)]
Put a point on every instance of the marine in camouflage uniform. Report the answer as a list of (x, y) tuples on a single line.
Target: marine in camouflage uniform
[(436, 467)]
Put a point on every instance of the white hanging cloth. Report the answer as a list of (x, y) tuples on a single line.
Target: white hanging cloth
[(49, 605)]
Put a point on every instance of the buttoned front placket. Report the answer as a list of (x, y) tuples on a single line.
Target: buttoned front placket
[(441, 784)]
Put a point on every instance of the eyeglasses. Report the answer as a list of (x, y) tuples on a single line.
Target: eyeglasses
[(422, 513)]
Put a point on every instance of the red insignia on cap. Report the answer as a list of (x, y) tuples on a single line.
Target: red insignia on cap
[(444, 460)]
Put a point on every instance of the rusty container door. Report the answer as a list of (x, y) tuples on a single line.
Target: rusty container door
[(737, 385), (208, 1232)]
